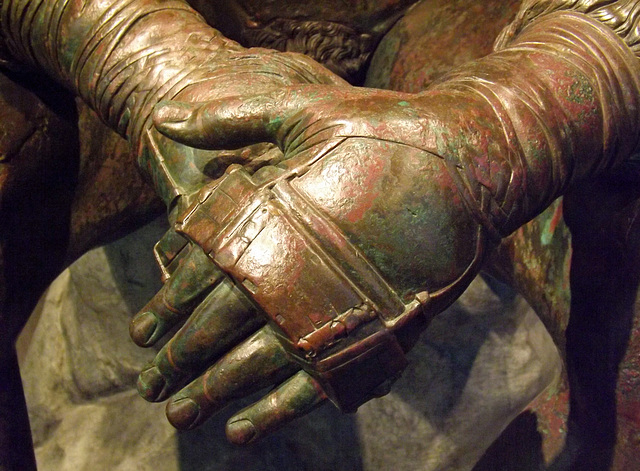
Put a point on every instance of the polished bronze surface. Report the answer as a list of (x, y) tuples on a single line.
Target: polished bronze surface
[(312, 264)]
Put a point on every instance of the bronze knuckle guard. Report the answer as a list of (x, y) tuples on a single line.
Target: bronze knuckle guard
[(334, 312)]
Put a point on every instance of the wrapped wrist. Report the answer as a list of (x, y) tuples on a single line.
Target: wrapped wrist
[(123, 57), (120, 57), (618, 15), (559, 104)]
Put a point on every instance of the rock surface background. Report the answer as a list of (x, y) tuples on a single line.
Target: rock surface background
[(475, 368)]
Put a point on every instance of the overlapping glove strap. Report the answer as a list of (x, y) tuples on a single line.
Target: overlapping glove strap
[(336, 314)]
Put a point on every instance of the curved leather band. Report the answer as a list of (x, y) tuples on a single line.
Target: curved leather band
[(335, 312)]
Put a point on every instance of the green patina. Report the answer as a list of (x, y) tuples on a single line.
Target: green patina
[(580, 91), (275, 123)]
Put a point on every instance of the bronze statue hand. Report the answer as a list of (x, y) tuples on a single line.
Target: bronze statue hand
[(223, 318), (350, 245), (381, 212), (178, 171)]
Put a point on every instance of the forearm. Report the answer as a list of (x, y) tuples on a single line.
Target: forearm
[(124, 56), (558, 104), (120, 56)]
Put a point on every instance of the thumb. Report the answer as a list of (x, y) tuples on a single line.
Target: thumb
[(227, 123)]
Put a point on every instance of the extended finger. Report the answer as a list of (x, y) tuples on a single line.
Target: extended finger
[(291, 400), (242, 120), (223, 124), (220, 322), (279, 116), (258, 362), (196, 276)]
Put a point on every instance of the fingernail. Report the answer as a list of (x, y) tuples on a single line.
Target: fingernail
[(142, 328), (151, 384), (183, 413), (171, 112), (241, 432)]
